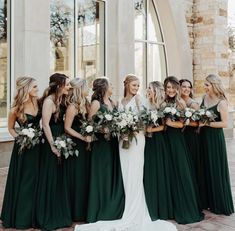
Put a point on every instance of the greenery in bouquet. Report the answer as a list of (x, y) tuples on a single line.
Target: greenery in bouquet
[(28, 137), (150, 118), (127, 124), (65, 146)]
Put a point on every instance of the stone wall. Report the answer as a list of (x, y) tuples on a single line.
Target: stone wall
[(207, 28)]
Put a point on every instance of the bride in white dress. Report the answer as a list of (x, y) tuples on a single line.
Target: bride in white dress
[(136, 216)]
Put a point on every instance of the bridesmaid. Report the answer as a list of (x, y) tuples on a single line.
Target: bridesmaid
[(192, 139), (52, 204), (219, 196), (156, 164), (19, 195), (106, 198), (184, 193), (78, 168)]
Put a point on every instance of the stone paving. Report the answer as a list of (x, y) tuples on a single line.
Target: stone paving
[(212, 222)]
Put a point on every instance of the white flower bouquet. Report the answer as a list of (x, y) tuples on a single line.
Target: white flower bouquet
[(150, 118), (104, 123), (28, 137), (127, 124), (88, 128), (171, 111), (190, 114), (65, 146)]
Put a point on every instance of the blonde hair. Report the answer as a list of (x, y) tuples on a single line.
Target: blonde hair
[(128, 79), (76, 96), (217, 85), (177, 99), (23, 87), (159, 94)]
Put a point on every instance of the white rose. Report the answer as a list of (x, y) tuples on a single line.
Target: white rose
[(31, 130), (173, 111), (188, 114), (202, 112), (62, 144), (208, 114), (108, 117), (167, 110), (123, 124), (31, 135), (25, 131), (89, 129)]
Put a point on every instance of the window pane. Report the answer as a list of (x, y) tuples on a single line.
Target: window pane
[(156, 63), (90, 39), (140, 19), (62, 37), (3, 59), (140, 64), (154, 30)]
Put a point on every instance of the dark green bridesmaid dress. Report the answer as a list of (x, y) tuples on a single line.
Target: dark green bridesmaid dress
[(78, 172), (184, 191), (19, 197), (157, 178), (52, 209), (106, 193), (213, 147)]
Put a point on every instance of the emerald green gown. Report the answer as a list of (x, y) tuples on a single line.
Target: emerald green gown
[(106, 192), (217, 192), (19, 197), (52, 209), (184, 191), (157, 177), (77, 171)]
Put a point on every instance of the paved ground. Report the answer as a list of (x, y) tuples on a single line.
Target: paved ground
[(212, 222)]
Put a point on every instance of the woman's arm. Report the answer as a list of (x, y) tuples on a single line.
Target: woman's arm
[(69, 117), (11, 123), (174, 124), (155, 129), (95, 106), (47, 110)]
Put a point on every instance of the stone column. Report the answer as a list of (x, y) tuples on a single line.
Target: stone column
[(210, 46), (31, 40)]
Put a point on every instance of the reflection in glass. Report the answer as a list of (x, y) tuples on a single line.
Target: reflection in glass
[(154, 31), (156, 63), (3, 59), (90, 39), (140, 64), (140, 19), (62, 36)]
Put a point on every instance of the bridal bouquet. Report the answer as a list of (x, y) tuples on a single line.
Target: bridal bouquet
[(104, 123), (65, 146), (28, 137), (150, 118), (88, 128), (189, 114), (126, 126)]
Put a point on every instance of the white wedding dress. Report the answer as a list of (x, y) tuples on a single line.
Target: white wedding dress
[(135, 216)]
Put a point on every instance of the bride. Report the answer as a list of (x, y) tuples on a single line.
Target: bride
[(135, 216)]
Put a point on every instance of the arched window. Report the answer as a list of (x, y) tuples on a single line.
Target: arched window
[(150, 55), (77, 37)]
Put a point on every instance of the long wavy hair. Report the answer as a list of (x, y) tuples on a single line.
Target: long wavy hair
[(23, 87), (217, 86), (100, 87), (57, 81), (76, 96), (176, 85), (191, 86), (128, 79), (159, 94)]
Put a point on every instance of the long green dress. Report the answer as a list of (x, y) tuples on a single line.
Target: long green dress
[(184, 194), (52, 202), (106, 193), (218, 189), (157, 178), (18, 202), (78, 172)]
